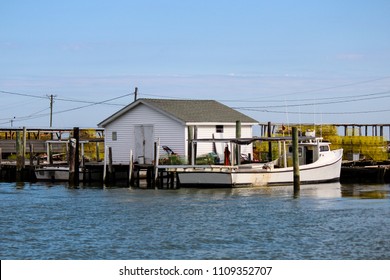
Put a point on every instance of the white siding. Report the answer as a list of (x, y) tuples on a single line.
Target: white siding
[(171, 133), (168, 130)]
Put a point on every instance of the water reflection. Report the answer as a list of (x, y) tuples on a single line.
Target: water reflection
[(328, 190), (53, 221), (366, 191)]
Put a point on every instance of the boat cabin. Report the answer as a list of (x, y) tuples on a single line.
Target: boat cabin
[(309, 151)]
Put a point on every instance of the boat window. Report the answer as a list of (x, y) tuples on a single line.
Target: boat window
[(219, 128), (114, 136), (290, 150), (324, 148)]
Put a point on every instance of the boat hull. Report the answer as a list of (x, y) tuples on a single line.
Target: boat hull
[(54, 174), (326, 169)]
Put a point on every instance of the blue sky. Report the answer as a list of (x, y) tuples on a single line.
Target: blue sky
[(280, 61)]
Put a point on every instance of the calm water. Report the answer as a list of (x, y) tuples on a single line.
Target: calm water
[(329, 221)]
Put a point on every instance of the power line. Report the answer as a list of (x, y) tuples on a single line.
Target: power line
[(22, 94), (28, 117), (87, 102), (309, 99), (339, 86), (368, 97), (104, 102), (57, 98), (321, 113), (93, 104)]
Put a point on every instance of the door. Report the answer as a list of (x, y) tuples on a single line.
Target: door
[(309, 156), (144, 147)]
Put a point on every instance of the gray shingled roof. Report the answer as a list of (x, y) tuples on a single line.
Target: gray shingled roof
[(188, 111), (199, 110)]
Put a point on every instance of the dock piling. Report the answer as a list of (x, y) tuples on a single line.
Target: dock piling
[(238, 147), (130, 178), (156, 160), (269, 134), (72, 162), (19, 157), (295, 160)]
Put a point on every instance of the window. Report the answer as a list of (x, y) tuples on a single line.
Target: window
[(324, 148), (290, 150), (114, 136), (219, 128)]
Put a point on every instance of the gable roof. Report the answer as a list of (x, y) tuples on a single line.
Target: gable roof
[(188, 111)]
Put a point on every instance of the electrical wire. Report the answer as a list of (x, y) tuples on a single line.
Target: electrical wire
[(316, 113), (309, 99), (93, 104), (368, 97), (22, 94), (37, 115)]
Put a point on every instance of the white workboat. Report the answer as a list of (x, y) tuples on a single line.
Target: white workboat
[(54, 173), (317, 164)]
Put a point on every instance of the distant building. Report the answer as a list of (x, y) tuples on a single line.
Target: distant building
[(138, 125)]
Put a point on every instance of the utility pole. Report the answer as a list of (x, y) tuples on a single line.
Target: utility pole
[(51, 109), (135, 94), (50, 154)]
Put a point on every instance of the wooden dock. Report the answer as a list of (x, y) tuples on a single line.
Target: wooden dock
[(28, 145), (143, 176), (365, 172)]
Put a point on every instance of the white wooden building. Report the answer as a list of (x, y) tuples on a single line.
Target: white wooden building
[(137, 126)]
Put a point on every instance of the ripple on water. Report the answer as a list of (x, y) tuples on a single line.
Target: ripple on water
[(323, 222)]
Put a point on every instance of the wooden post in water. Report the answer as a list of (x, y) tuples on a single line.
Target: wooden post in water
[(19, 157), (156, 160), (295, 159), (110, 167), (72, 161), (31, 167), (1, 159), (31, 153), (269, 134), (105, 166), (76, 135), (130, 168), (195, 144), (190, 137), (24, 140), (238, 147)]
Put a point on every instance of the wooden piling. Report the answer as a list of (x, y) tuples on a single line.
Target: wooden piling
[(238, 147), (190, 145), (24, 141), (156, 160), (195, 144), (31, 166), (76, 135), (105, 165), (269, 142), (295, 159), (19, 157), (130, 178), (1, 164), (110, 169), (72, 162)]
